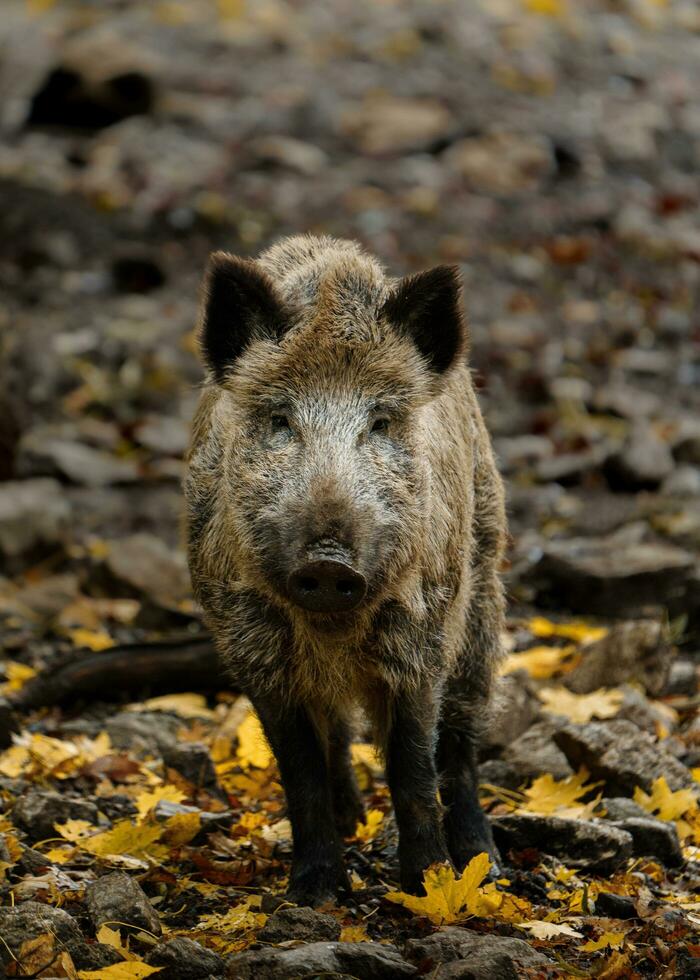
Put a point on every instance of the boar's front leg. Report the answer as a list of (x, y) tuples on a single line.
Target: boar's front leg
[(348, 807), (412, 777), (317, 873)]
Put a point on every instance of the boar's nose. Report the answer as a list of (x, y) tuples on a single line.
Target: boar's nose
[(326, 586)]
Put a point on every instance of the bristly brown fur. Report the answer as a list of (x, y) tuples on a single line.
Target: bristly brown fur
[(316, 330)]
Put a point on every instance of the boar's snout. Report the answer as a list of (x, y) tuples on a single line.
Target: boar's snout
[(326, 585)]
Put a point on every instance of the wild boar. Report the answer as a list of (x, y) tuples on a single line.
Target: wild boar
[(345, 531)]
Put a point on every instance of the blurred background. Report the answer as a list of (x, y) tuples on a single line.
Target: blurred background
[(551, 148)]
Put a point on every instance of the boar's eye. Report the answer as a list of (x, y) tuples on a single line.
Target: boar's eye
[(380, 424), (279, 422)]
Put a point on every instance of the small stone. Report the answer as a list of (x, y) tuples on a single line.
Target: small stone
[(42, 453), (682, 678), (620, 808), (184, 959), (146, 565), (587, 844), (683, 482), (622, 755), (635, 652), (534, 752), (302, 924), (32, 513), (653, 838), (611, 575), (626, 401), (614, 906), (116, 897), (151, 730), (163, 434), (303, 158), (28, 920), (500, 163), (488, 956), (192, 761), (498, 772), (642, 464), (362, 961), (388, 125), (516, 708), (38, 811)]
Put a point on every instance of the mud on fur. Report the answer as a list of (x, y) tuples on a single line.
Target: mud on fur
[(345, 532)]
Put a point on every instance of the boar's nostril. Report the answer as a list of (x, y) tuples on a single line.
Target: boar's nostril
[(326, 585)]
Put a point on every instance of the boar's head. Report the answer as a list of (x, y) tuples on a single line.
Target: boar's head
[(330, 390)]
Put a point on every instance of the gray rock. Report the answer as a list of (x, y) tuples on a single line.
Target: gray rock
[(587, 844), (498, 772), (145, 565), (642, 464), (535, 753), (152, 730), (94, 956), (653, 838), (682, 678), (184, 959), (192, 761), (683, 482), (116, 897), (302, 924), (638, 651), (362, 961), (38, 810), (625, 400), (620, 808), (41, 453), (516, 709), (32, 513), (625, 757), (163, 434), (31, 919), (488, 957), (569, 468), (611, 575)]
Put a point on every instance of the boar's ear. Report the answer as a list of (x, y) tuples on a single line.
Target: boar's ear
[(427, 307), (240, 305)]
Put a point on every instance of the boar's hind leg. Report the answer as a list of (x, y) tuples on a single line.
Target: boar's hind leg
[(466, 826), (410, 770), (348, 807), (317, 873)]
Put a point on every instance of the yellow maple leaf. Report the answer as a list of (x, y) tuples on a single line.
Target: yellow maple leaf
[(541, 662), (609, 940), (240, 918), (124, 838), (368, 830), (17, 675), (665, 803), (113, 938), (577, 630), (73, 830), (91, 639), (580, 708), (148, 800), (186, 705), (180, 829), (354, 934), (449, 899), (14, 761), (549, 795), (366, 763), (253, 749), (133, 970)]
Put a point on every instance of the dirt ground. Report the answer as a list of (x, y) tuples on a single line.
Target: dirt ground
[(550, 148)]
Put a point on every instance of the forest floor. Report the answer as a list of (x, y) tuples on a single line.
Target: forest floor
[(550, 148)]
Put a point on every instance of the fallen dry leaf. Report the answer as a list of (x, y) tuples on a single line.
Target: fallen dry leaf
[(253, 749), (549, 795), (450, 899), (580, 708), (368, 830)]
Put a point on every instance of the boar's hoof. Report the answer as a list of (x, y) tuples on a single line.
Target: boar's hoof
[(327, 586), (313, 885)]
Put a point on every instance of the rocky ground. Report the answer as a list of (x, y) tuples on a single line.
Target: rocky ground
[(551, 149)]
